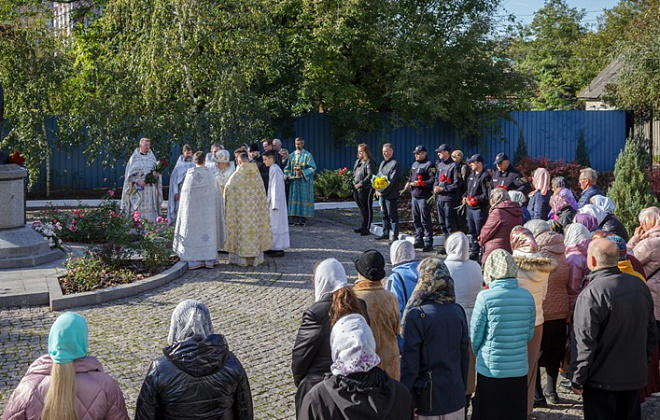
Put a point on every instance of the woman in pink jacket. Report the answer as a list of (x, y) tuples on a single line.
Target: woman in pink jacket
[(576, 238), (66, 384)]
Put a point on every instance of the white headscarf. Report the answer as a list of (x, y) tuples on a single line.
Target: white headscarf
[(329, 276), (518, 197), (576, 233), (603, 202), (352, 345), (457, 247), (595, 211), (402, 251), (189, 318)]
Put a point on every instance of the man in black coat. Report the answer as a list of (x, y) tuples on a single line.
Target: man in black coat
[(421, 180), (389, 197), (508, 177), (448, 181), (615, 332)]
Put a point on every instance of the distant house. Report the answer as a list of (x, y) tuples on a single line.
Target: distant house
[(593, 94)]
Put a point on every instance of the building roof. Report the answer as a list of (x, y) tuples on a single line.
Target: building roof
[(596, 89)]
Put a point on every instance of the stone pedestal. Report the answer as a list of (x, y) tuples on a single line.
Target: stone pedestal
[(20, 245)]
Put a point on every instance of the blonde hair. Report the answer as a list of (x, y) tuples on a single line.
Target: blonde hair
[(59, 401)]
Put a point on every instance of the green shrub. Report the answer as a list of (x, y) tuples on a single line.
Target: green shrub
[(334, 184)]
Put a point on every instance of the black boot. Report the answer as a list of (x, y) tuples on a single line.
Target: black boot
[(539, 399), (550, 390)]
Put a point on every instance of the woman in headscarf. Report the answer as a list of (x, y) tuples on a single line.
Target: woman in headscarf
[(520, 198), (533, 272), (610, 222), (197, 376), (587, 220), (432, 321), (562, 210), (357, 388), (66, 383), (560, 187), (576, 239), (555, 311), (502, 324), (333, 299), (539, 199), (503, 215), (468, 282), (606, 221), (645, 246)]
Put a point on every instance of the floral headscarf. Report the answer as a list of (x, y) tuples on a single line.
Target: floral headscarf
[(605, 203), (541, 181), (329, 276), (522, 240), (537, 226), (568, 195), (558, 202), (499, 265), (352, 345), (587, 221), (434, 283), (621, 243), (649, 218), (595, 211)]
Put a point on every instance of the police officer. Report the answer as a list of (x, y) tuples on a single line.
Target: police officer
[(446, 187), (508, 177), (464, 169), (421, 180), (476, 198)]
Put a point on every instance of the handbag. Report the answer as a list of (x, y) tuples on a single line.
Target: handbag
[(422, 390)]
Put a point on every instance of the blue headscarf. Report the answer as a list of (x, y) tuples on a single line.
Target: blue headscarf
[(67, 340)]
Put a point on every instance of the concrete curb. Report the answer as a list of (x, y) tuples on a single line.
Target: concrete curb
[(59, 301)]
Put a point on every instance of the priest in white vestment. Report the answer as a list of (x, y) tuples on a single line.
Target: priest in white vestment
[(184, 163), (196, 232), (222, 174), (245, 199), (279, 223), (137, 195)]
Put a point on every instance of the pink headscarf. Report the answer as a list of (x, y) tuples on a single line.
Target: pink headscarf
[(558, 202), (541, 181), (649, 219), (522, 240)]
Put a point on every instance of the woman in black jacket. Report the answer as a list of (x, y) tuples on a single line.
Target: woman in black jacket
[(197, 377), (363, 193), (311, 352)]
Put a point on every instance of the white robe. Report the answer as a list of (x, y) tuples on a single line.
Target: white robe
[(279, 222), (176, 181), (196, 231), (146, 200)]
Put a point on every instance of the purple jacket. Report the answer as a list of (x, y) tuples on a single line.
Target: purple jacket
[(97, 395), (576, 257), (502, 218)]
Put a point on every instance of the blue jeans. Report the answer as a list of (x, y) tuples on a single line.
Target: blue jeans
[(422, 220), (390, 214)]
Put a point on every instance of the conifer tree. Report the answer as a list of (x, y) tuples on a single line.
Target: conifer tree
[(581, 153), (631, 190), (521, 149)]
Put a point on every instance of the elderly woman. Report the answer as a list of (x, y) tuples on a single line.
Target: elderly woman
[(502, 325), (433, 320), (539, 199), (576, 239), (587, 220), (555, 311), (520, 198), (533, 272), (311, 351), (357, 388), (66, 383), (562, 210), (503, 215), (560, 187), (363, 193), (610, 222), (197, 376)]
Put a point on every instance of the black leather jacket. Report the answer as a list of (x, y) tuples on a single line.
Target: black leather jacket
[(197, 378)]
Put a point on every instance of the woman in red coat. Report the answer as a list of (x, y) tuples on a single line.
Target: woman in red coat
[(503, 215)]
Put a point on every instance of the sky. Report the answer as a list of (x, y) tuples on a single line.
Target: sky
[(524, 9)]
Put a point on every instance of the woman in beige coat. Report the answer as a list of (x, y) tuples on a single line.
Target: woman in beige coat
[(382, 307)]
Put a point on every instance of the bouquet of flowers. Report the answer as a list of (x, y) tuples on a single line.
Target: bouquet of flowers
[(379, 182), (49, 231), (17, 159), (150, 179)]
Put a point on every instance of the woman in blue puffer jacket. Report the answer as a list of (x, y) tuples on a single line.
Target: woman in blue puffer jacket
[(502, 323)]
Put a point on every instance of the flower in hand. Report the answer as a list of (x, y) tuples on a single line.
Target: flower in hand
[(420, 181)]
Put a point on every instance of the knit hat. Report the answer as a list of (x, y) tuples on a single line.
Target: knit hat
[(329, 276), (371, 265), (402, 251), (499, 265), (352, 346), (67, 340), (190, 318), (623, 248)]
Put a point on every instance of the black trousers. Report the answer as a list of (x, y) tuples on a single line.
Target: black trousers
[(600, 404), (390, 216), (364, 199)]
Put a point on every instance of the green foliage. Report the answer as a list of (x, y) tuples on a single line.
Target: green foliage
[(521, 149), (156, 243), (86, 273), (581, 152), (631, 190), (334, 184)]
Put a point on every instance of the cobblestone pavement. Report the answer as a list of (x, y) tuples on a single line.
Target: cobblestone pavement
[(257, 309)]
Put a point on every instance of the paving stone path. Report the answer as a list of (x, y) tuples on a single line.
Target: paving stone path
[(258, 310)]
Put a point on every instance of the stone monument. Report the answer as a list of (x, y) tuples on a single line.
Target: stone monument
[(20, 245)]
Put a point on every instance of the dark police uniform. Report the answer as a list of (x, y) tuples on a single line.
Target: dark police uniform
[(511, 179), (421, 210), (449, 178), (478, 186), (461, 219)]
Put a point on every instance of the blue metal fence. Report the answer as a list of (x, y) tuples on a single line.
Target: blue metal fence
[(551, 134)]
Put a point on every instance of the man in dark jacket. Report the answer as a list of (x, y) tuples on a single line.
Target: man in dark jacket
[(389, 197), (465, 171), (255, 156), (447, 185), (615, 331), (476, 198), (422, 178), (508, 177), (587, 181)]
